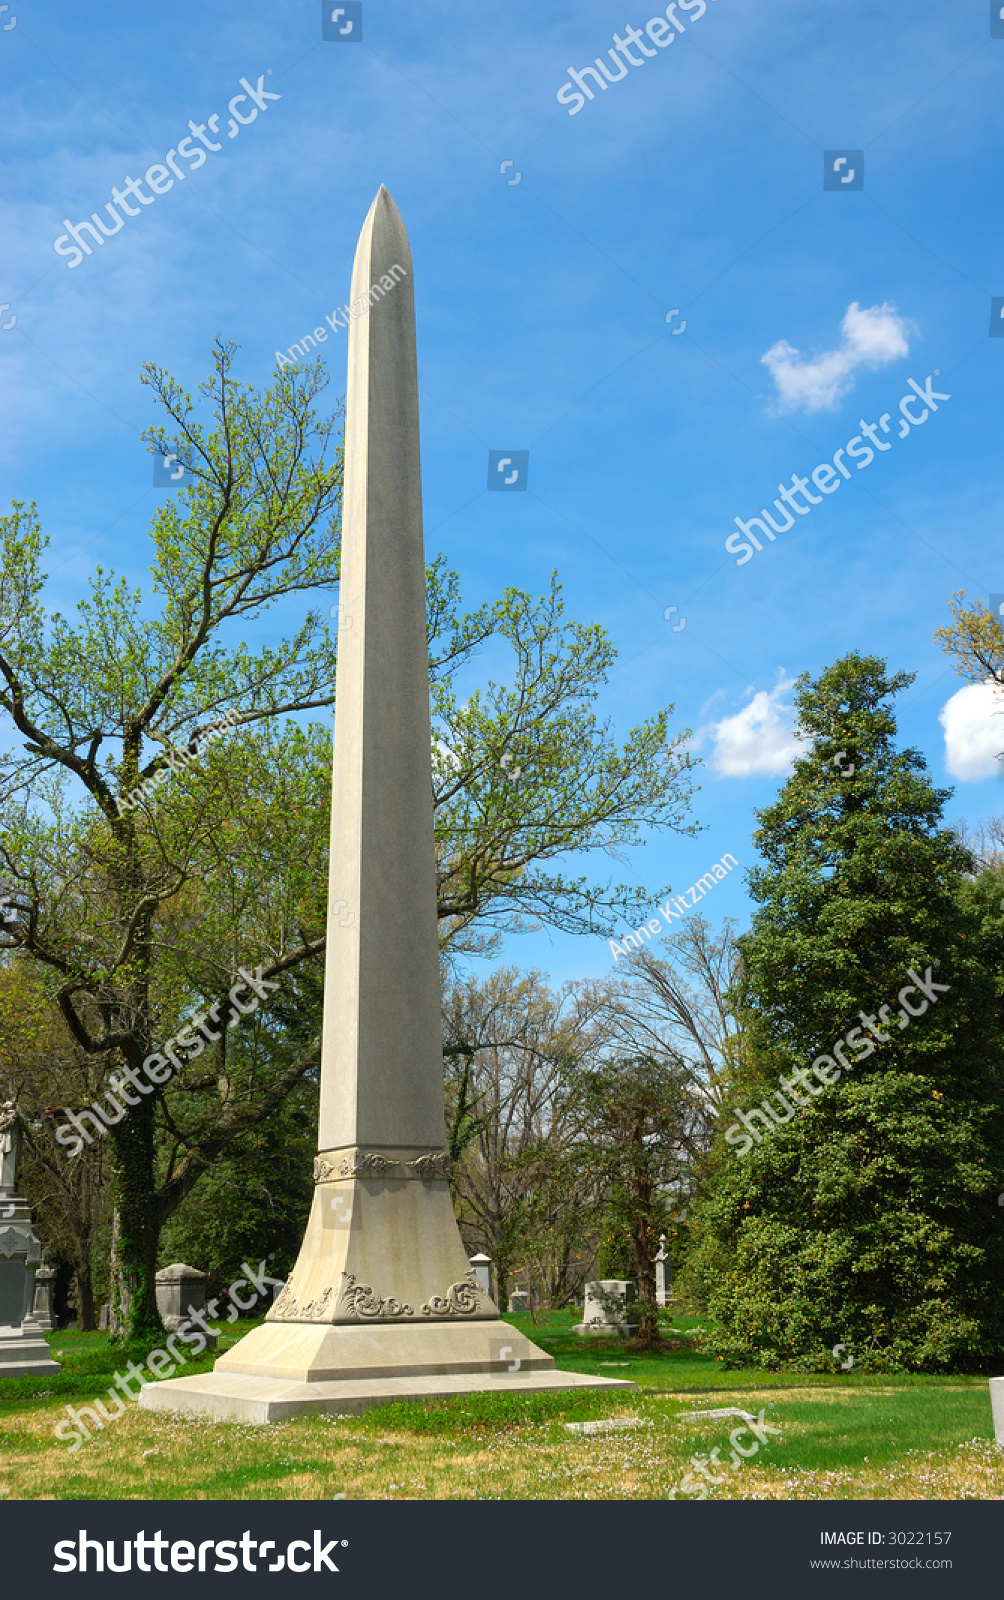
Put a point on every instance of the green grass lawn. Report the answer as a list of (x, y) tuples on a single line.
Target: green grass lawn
[(843, 1436)]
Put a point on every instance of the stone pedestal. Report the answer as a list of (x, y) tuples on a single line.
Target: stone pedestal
[(45, 1285), (663, 1274), (180, 1291), (607, 1310), (23, 1349), (481, 1266), (383, 1303), (997, 1405)]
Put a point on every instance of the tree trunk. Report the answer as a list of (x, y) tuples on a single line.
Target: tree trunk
[(642, 1244), (134, 1318), (85, 1292)]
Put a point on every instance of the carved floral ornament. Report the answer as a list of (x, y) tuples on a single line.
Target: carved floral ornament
[(435, 1165), (358, 1302)]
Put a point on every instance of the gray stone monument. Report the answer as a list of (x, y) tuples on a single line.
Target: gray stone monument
[(23, 1349), (997, 1407), (382, 1303), (663, 1273), (180, 1291), (45, 1285), (519, 1300), (606, 1314), (482, 1266)]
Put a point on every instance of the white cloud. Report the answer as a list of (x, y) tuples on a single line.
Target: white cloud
[(871, 339), (973, 720), (759, 738)]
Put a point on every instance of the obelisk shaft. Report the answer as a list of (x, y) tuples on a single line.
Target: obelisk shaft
[(382, 1304), (382, 1065)]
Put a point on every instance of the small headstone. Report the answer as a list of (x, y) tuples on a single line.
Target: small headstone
[(104, 1317), (180, 1291), (606, 1311), (519, 1300), (482, 1271), (608, 1425), (716, 1414)]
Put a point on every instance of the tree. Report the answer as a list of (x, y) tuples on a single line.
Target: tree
[(92, 883), (679, 1003), (69, 1197), (640, 1136), (975, 641), (522, 1196), (866, 1215), (523, 775), (147, 869)]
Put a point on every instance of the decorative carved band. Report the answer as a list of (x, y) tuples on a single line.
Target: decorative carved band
[(463, 1299), (359, 1163), (431, 1166), (286, 1309), (358, 1302)]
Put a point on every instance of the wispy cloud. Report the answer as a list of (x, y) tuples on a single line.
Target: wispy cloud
[(870, 339), (758, 739), (973, 720)]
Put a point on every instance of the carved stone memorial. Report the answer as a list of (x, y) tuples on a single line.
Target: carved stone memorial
[(606, 1314), (663, 1274), (180, 1291), (382, 1303), (45, 1285), (23, 1349)]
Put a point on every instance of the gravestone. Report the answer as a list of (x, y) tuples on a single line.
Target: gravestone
[(45, 1286), (997, 1408), (483, 1271), (663, 1273), (23, 1349), (519, 1300), (607, 1310), (382, 1303), (180, 1291)]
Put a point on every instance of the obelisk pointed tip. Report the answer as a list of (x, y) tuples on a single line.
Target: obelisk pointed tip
[(383, 242)]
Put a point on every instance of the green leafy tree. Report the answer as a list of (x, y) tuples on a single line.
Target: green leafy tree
[(867, 1216), (641, 1134), (143, 883), (524, 774)]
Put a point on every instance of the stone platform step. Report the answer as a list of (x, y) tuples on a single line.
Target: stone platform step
[(25, 1354), (237, 1397)]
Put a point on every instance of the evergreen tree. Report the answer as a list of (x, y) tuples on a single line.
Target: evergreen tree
[(866, 1214)]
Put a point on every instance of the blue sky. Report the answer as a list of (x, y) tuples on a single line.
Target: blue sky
[(695, 182)]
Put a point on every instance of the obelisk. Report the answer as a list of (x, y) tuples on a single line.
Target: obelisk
[(382, 1303)]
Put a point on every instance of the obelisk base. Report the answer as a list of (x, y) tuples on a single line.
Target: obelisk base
[(285, 1370), (25, 1353)]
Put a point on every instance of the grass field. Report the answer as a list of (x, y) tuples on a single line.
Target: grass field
[(842, 1437)]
